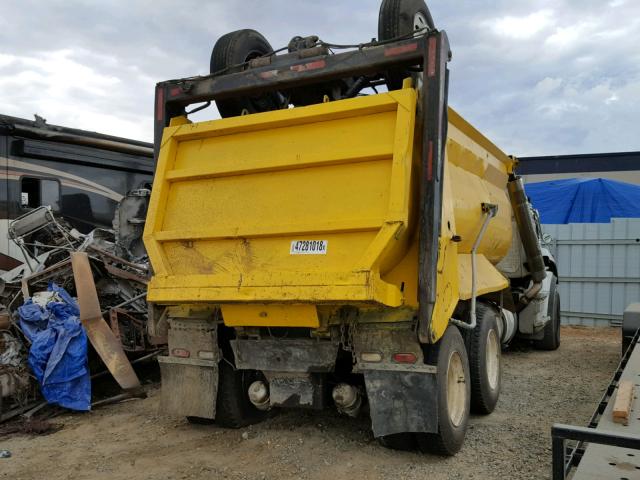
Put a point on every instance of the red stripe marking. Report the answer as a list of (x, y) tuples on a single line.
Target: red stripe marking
[(390, 52), (159, 103), (430, 161), (309, 66), (431, 67)]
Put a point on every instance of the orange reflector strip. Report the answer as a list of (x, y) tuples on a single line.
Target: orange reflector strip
[(392, 51), (308, 66)]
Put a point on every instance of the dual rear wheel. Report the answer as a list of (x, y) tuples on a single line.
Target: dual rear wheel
[(468, 379)]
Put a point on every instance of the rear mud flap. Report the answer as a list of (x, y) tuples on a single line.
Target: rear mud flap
[(189, 387), (402, 402)]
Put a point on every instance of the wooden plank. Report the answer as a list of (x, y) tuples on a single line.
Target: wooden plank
[(622, 405)]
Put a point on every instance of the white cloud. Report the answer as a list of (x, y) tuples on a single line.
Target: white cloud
[(536, 76), (569, 36), (59, 86), (6, 60), (523, 27), (548, 85)]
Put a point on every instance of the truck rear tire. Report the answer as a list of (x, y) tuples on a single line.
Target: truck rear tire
[(551, 339), (399, 18), (233, 408), (485, 360), (454, 392), (229, 54)]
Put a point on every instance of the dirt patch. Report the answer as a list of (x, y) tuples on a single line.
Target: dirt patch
[(130, 441)]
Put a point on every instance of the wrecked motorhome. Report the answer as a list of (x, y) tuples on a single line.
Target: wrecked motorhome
[(83, 176), (86, 239)]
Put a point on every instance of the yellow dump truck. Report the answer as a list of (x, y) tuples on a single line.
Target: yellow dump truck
[(339, 238)]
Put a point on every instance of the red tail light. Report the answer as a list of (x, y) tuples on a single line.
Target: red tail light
[(180, 352), (404, 358)]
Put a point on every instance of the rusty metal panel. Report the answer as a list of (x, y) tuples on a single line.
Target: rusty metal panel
[(305, 390), (100, 335), (299, 355)]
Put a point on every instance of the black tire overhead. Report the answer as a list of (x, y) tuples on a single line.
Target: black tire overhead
[(484, 396), (229, 54), (396, 17), (399, 18)]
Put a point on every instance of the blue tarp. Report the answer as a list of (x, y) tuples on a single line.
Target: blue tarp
[(58, 353), (584, 200)]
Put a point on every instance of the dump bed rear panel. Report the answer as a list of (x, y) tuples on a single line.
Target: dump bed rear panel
[(232, 197)]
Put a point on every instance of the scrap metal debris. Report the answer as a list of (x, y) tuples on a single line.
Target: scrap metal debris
[(106, 270), (101, 336)]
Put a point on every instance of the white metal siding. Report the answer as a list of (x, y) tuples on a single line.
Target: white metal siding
[(599, 269)]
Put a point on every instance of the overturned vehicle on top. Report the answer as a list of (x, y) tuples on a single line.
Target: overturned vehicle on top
[(328, 244)]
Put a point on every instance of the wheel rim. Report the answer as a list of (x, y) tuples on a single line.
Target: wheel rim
[(456, 389), (492, 359), (420, 22)]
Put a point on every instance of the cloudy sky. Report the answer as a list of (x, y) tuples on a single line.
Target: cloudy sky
[(537, 76)]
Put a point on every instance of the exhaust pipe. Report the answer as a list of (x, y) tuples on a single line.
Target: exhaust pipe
[(527, 231), (347, 399), (259, 395)]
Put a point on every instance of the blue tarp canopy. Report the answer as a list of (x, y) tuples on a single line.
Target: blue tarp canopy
[(584, 200)]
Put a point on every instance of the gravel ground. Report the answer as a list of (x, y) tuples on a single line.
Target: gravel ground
[(131, 441)]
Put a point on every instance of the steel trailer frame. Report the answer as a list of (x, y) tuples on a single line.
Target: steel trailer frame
[(316, 65), (565, 459)]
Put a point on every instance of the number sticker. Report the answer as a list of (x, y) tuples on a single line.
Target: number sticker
[(309, 247)]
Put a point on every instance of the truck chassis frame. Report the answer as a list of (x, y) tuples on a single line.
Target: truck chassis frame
[(609, 442)]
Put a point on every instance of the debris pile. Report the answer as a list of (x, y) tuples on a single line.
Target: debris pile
[(105, 273)]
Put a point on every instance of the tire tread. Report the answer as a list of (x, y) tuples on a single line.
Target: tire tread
[(233, 409), (479, 401), (224, 55), (445, 443), (551, 338)]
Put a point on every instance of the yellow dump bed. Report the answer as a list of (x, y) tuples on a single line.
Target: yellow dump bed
[(306, 205), (299, 205)]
